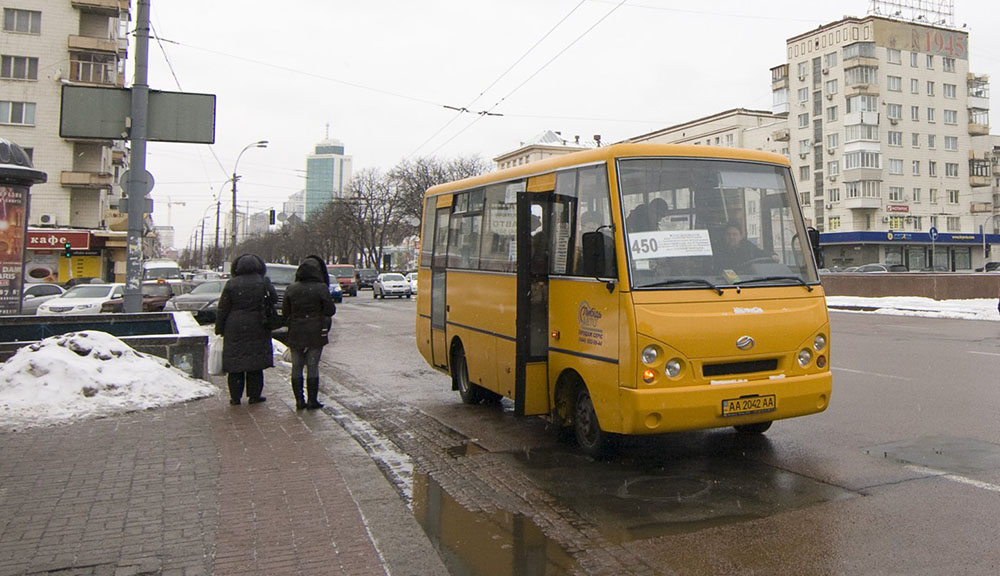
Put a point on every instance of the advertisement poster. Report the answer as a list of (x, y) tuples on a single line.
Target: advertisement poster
[(12, 231)]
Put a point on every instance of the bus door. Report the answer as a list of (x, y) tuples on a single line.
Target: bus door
[(531, 395), (439, 284)]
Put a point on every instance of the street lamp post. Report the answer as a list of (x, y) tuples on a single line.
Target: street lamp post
[(258, 144)]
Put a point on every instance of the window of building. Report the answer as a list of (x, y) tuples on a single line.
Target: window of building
[(952, 196), (948, 64), (17, 112), (896, 166), (918, 223), (895, 138), (951, 117), (805, 146), (933, 197), (951, 169), (950, 91), (833, 140), (915, 113), (803, 95), (930, 88), (916, 167), (804, 198), (864, 189), (913, 59), (895, 84), (858, 132), (930, 115), (951, 143), (859, 50), (895, 193), (833, 223), (954, 224), (832, 114), (730, 140), (833, 168), (931, 168), (934, 221), (833, 194), (931, 141), (804, 173), (804, 120), (894, 111), (830, 60), (862, 159), (916, 195), (831, 87), (861, 75), (93, 68), (19, 68), (930, 61), (23, 21), (863, 103), (915, 139), (896, 222), (894, 56), (914, 86)]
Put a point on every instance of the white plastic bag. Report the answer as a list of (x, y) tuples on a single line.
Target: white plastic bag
[(215, 355)]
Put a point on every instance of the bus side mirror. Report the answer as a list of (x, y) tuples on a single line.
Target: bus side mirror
[(814, 242), (598, 255)]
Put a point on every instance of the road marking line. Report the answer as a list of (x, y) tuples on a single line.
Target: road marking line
[(984, 353), (874, 374), (955, 478)]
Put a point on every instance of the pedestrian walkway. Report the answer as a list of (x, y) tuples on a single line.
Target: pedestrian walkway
[(202, 488)]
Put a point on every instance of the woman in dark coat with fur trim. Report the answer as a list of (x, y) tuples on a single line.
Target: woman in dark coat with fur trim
[(242, 323), (307, 306)]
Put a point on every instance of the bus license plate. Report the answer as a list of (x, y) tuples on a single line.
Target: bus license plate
[(748, 405)]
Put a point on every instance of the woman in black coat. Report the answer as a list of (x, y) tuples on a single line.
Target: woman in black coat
[(307, 307), (242, 323)]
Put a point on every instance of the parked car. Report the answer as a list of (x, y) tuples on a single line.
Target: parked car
[(935, 268), (203, 276), (898, 268), (990, 267), (412, 279), (872, 268), (366, 277), (336, 292), (82, 280), (281, 275), (81, 299), (154, 297), (390, 284), (344, 275), (35, 294), (202, 301)]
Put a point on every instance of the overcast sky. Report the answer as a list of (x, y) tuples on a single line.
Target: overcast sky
[(381, 74)]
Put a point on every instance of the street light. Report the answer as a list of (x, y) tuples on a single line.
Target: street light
[(258, 144)]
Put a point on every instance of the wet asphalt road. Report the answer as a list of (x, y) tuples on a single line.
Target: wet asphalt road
[(901, 475)]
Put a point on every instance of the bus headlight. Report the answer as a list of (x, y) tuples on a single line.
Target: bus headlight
[(805, 356), (649, 355), (819, 342), (673, 368), (648, 375)]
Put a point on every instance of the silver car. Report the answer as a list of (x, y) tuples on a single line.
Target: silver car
[(391, 284), (35, 294)]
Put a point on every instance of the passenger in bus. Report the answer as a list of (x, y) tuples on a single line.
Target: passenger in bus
[(646, 217), (736, 251)]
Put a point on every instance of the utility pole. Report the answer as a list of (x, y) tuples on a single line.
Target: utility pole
[(136, 185)]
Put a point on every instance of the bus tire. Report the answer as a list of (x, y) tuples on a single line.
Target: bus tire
[(592, 441), (471, 393), (753, 429)]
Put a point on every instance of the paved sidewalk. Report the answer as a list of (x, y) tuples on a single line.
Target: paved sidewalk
[(203, 488)]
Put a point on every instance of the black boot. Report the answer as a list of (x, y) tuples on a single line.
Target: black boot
[(300, 402), (255, 387), (235, 382), (312, 389)]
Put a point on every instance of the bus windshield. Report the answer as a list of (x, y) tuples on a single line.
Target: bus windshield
[(697, 223)]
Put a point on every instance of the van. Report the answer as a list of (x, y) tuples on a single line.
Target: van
[(168, 270), (344, 275)]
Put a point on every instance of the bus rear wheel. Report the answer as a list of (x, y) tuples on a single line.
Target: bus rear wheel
[(471, 393), (757, 428), (592, 441)]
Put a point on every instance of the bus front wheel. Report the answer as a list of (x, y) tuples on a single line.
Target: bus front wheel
[(758, 428), (470, 393), (593, 441)]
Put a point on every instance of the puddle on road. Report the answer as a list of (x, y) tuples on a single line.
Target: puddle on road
[(954, 455), (482, 544)]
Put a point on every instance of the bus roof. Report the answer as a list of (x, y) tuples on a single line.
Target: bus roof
[(607, 154)]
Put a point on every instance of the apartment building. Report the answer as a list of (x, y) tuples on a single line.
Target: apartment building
[(543, 145), (45, 44), (737, 128), (888, 130)]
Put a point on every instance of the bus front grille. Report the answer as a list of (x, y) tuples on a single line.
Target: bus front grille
[(734, 368)]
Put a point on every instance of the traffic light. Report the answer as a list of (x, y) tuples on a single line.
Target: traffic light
[(68, 250)]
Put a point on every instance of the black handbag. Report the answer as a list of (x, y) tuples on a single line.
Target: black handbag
[(272, 320)]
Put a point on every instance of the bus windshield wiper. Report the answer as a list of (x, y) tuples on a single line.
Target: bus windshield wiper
[(795, 279), (676, 281)]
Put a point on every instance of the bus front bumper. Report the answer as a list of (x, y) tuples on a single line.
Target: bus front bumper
[(655, 411)]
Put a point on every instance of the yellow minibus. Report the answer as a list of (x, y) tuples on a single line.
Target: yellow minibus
[(629, 289)]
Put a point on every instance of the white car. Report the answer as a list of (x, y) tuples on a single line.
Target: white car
[(35, 294), (391, 284), (412, 279), (81, 299)]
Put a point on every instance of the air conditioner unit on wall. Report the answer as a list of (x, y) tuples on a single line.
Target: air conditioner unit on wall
[(47, 218), (885, 218), (829, 206), (831, 150), (826, 70), (832, 178), (829, 96)]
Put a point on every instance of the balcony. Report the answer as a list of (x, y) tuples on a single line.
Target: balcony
[(980, 172), (863, 203), (93, 44), (855, 118), (86, 180), (977, 129)]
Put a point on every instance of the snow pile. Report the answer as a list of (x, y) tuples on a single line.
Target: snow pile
[(971, 309), (85, 375)]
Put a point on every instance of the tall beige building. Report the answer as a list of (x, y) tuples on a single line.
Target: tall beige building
[(889, 142), (46, 44)]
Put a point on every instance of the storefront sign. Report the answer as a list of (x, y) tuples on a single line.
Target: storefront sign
[(57, 239), (897, 208)]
